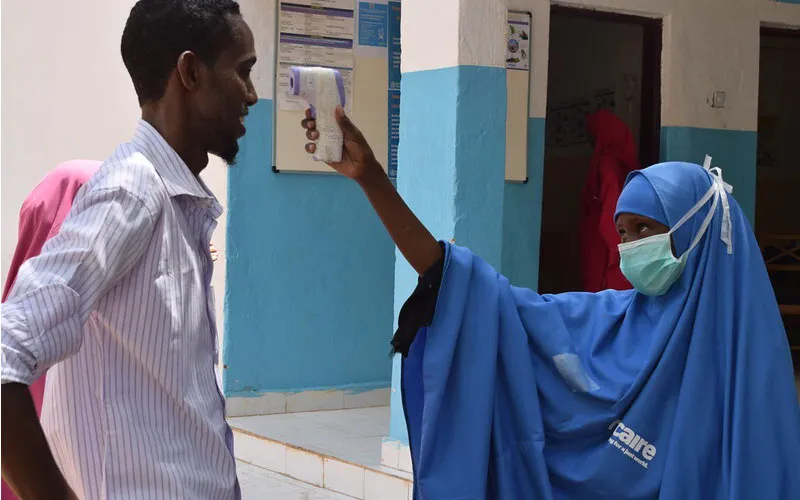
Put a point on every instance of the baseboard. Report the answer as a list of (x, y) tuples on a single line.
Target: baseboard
[(270, 403)]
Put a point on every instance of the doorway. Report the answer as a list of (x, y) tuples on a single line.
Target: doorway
[(778, 173), (597, 61)]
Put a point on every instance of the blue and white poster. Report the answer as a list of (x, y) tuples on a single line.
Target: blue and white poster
[(394, 86), (372, 24), (314, 33), (394, 131), (394, 45)]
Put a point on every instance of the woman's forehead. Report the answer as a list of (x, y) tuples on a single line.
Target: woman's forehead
[(628, 218)]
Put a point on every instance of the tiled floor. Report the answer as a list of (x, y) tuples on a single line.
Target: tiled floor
[(351, 435), (337, 450), (261, 484)]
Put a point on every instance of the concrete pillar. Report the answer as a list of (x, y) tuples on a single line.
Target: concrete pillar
[(452, 135)]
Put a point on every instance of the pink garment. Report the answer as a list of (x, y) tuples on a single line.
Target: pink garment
[(40, 218)]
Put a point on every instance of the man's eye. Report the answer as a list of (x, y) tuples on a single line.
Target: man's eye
[(643, 228)]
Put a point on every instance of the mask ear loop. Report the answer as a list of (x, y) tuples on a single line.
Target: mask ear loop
[(722, 188), (727, 226)]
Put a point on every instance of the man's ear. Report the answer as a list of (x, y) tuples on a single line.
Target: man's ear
[(189, 70)]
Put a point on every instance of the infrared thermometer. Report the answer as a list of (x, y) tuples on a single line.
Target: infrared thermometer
[(323, 90)]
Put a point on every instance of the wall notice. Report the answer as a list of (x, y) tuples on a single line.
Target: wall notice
[(394, 45), (372, 24), (394, 131), (518, 43), (315, 33)]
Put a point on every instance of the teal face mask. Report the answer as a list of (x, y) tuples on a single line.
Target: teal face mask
[(649, 263)]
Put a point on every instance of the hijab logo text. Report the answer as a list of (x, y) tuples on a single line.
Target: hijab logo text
[(631, 444)]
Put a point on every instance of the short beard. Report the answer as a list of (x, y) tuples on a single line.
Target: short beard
[(229, 155)]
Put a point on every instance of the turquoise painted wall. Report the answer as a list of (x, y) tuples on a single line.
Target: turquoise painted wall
[(522, 215), (451, 158), (732, 150), (309, 278)]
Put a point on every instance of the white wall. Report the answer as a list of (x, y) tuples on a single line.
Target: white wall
[(709, 45), (66, 94)]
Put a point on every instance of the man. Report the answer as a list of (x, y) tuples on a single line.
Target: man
[(118, 302)]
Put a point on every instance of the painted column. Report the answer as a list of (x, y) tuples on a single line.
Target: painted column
[(452, 135), (522, 204)]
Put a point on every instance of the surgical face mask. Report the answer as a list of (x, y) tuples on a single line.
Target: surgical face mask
[(649, 263)]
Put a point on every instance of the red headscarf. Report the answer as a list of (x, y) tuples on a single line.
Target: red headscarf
[(40, 218), (612, 137), (613, 158)]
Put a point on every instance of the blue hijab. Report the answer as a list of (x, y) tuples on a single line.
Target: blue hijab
[(510, 394)]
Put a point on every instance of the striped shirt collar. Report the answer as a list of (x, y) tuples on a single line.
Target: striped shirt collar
[(178, 179)]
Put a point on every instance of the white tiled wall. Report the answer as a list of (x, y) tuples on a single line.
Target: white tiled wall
[(396, 455), (305, 466), (328, 472), (379, 486), (265, 454), (344, 478)]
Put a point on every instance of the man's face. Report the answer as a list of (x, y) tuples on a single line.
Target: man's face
[(223, 102)]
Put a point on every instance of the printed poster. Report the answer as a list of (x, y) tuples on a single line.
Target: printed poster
[(394, 131), (518, 43), (315, 33), (372, 24)]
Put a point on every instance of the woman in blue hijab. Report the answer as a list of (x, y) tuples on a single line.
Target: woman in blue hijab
[(680, 389)]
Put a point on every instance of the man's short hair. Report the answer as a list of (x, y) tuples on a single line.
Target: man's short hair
[(158, 31)]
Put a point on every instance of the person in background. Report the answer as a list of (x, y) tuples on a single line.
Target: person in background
[(40, 218), (614, 157), (680, 389), (116, 307)]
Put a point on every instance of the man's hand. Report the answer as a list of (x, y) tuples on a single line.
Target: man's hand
[(359, 163), (214, 252), (358, 160)]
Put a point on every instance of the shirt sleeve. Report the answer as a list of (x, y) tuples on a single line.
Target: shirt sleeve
[(419, 309), (103, 237)]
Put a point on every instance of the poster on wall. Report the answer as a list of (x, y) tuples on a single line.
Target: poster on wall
[(566, 123), (393, 33), (518, 42), (605, 99), (373, 24), (315, 33), (394, 131)]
